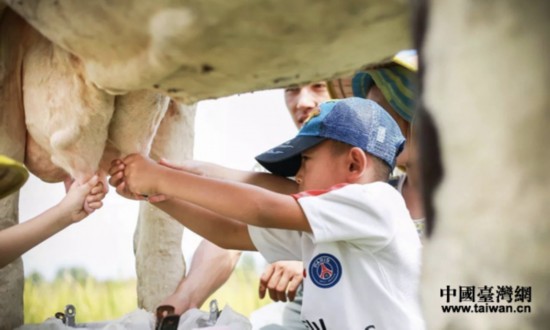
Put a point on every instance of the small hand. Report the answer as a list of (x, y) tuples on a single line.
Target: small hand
[(282, 280), (99, 191), (94, 199), (83, 199), (140, 175), (116, 179)]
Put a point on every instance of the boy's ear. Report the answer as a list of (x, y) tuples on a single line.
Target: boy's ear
[(357, 162)]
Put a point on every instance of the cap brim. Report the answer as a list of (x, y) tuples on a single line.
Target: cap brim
[(12, 176), (285, 159)]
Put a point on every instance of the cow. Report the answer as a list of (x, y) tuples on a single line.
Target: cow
[(73, 130)]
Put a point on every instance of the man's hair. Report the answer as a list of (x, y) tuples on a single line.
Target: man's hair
[(381, 169)]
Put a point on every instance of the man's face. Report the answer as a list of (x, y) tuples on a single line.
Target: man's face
[(321, 167), (301, 100)]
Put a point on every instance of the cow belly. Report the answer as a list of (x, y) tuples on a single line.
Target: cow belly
[(65, 115)]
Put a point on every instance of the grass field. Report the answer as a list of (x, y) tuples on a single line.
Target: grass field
[(108, 300)]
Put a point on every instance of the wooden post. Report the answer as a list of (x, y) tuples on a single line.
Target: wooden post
[(486, 85)]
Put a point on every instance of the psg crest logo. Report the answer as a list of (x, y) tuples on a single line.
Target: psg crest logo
[(325, 270)]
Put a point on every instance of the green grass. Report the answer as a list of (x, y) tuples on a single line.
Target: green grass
[(93, 300), (240, 292), (108, 300)]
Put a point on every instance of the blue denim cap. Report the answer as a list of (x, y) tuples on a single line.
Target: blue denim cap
[(356, 121)]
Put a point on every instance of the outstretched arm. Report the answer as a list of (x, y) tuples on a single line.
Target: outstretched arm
[(222, 231), (210, 268), (211, 265), (265, 180), (280, 279), (18, 239), (233, 200)]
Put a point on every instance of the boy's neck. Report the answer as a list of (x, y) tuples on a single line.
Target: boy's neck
[(367, 177)]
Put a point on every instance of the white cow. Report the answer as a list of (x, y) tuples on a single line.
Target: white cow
[(75, 129)]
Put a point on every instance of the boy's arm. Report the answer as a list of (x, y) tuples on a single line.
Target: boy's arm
[(222, 231), (234, 200), (18, 239), (265, 180), (210, 268), (211, 265)]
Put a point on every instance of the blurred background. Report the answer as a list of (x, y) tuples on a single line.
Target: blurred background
[(91, 264)]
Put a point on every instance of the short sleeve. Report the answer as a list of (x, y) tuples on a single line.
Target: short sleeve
[(276, 244), (367, 213)]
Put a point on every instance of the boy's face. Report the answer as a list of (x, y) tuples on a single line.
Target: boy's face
[(301, 100), (322, 167)]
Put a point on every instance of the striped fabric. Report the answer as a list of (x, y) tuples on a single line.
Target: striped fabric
[(396, 83), (395, 76)]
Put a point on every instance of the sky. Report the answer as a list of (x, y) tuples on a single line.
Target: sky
[(229, 131)]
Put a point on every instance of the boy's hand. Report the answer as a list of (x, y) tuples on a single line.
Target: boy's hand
[(83, 199), (140, 175), (116, 180)]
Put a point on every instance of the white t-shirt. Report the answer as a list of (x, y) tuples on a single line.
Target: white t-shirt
[(362, 261)]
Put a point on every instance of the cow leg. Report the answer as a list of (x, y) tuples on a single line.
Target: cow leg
[(12, 144), (134, 124), (486, 86), (157, 241)]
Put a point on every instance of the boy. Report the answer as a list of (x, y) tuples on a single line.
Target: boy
[(359, 247), (80, 201)]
